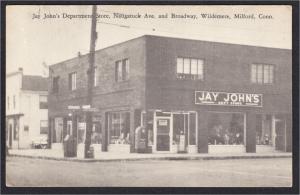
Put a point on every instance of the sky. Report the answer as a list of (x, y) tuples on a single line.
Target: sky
[(32, 42)]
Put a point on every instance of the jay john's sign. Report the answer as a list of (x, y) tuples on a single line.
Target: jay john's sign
[(228, 99)]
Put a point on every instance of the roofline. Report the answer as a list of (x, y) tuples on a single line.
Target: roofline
[(167, 37), (114, 45), (13, 73), (217, 42)]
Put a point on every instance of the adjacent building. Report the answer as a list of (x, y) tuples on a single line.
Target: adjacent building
[(190, 95), (26, 109)]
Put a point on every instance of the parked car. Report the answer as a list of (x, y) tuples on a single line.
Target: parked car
[(40, 142)]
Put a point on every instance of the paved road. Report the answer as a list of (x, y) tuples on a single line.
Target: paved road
[(196, 173)]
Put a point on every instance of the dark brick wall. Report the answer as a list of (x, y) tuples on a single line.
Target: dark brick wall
[(226, 68), (108, 94)]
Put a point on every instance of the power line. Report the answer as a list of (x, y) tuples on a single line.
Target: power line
[(163, 31), (215, 26)]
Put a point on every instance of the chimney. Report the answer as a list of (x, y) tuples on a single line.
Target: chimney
[(79, 54), (20, 70)]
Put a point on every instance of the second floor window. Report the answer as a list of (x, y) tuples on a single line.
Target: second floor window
[(43, 102), (43, 127), (262, 73), (72, 81), (189, 68), (55, 84), (122, 70)]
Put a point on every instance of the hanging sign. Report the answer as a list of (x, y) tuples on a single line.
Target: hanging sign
[(228, 99)]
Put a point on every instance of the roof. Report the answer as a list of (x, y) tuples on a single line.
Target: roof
[(175, 38), (34, 83)]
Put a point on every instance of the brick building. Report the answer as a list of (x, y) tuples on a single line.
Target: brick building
[(190, 95)]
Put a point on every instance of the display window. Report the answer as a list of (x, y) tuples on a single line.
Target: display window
[(96, 133), (226, 128), (119, 127), (81, 130), (147, 121), (264, 133), (184, 124), (58, 130)]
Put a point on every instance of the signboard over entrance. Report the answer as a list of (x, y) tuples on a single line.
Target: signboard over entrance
[(228, 99)]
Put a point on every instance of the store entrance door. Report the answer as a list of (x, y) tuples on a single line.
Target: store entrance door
[(280, 134), (163, 128)]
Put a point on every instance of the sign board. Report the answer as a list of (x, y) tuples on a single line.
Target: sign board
[(86, 106), (73, 107), (90, 109), (162, 122), (228, 99)]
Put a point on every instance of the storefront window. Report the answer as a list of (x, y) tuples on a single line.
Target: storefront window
[(119, 128), (81, 127), (178, 127), (264, 130), (147, 121), (226, 128), (58, 130), (96, 133), (184, 124)]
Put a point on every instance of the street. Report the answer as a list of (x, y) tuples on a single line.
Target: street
[(26, 172)]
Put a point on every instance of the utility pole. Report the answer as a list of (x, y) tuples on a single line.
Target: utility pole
[(90, 75)]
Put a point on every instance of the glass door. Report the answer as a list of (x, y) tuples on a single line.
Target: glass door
[(163, 134)]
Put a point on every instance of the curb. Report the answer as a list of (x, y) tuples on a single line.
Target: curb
[(153, 158)]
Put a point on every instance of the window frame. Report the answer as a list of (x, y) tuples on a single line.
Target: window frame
[(199, 76), (255, 79), (55, 84), (122, 70), (44, 127), (43, 104), (72, 81), (117, 127)]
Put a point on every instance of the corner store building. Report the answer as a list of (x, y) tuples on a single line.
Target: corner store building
[(221, 97)]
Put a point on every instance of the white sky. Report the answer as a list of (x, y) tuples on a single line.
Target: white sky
[(30, 42)]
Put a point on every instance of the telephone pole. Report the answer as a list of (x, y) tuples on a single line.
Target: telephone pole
[(90, 75)]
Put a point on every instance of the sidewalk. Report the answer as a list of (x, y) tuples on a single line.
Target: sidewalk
[(105, 156)]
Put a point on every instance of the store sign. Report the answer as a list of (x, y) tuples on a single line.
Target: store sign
[(228, 99), (163, 122)]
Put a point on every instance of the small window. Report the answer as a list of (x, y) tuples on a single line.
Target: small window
[(122, 70), (262, 73), (55, 84), (72, 81), (189, 68), (44, 127), (43, 102)]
